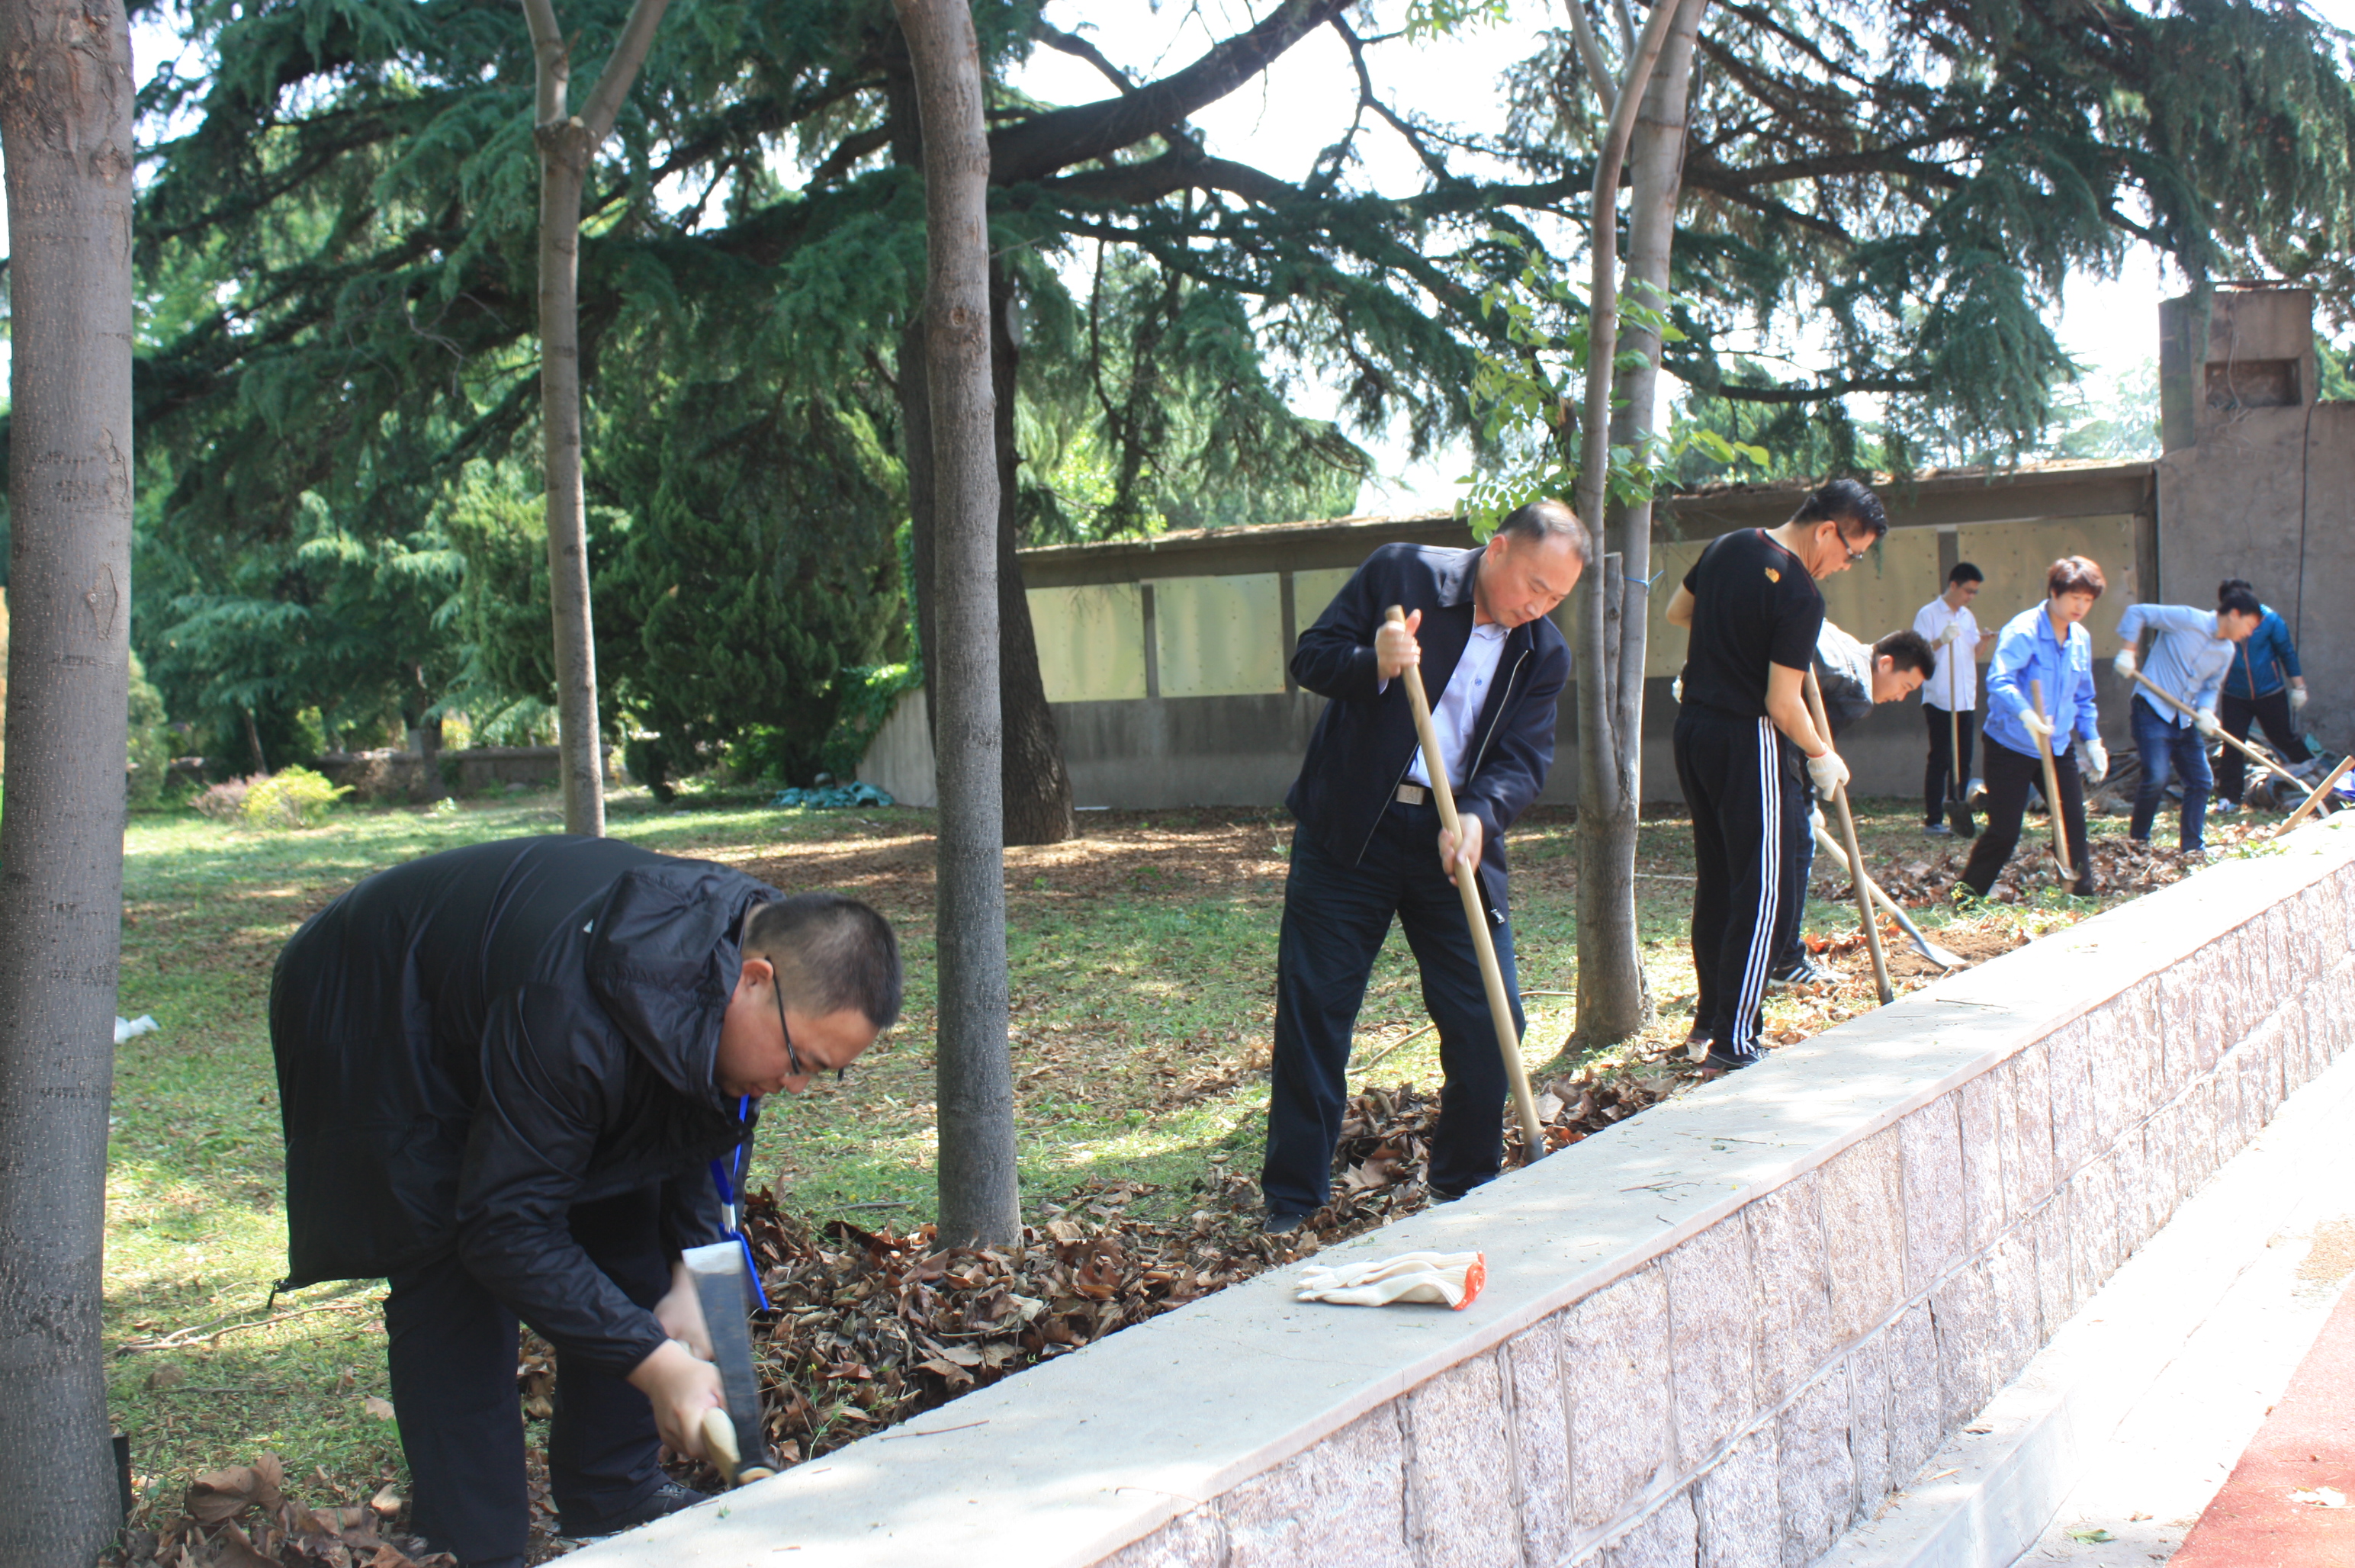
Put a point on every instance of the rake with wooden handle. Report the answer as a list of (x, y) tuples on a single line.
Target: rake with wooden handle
[(1467, 882), (1855, 856), (2051, 788), (2222, 734)]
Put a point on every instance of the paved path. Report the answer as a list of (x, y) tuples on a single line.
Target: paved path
[(2272, 1368)]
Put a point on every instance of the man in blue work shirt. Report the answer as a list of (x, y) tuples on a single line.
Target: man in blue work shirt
[(2041, 648), (2263, 685), (2188, 658)]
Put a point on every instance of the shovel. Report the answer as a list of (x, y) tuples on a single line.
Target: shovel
[(1944, 957), (1958, 810), (1492, 975), (2052, 789), (1855, 856)]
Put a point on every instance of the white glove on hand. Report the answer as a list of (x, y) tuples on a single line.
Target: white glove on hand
[(2123, 663), (2093, 760), (1954, 629), (2207, 724), (1828, 771), (2296, 697), (2037, 723), (1450, 1279), (1677, 689)]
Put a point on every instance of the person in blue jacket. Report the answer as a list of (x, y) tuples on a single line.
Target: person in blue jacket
[(1369, 849), (2262, 686), (2189, 656), (2043, 647)]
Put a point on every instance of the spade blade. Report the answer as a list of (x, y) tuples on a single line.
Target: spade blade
[(725, 1290)]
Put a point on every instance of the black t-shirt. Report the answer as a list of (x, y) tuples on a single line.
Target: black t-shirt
[(1753, 605)]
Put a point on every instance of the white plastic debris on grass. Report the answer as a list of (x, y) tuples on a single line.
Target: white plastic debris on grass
[(132, 1028)]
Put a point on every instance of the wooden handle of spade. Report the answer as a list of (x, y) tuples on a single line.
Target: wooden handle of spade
[(1467, 882), (1857, 877)]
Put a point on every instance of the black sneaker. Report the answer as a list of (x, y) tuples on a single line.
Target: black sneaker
[(664, 1499), (1801, 971), (1282, 1224), (1936, 830)]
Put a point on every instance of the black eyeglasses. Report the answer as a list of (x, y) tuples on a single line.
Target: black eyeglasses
[(793, 1057)]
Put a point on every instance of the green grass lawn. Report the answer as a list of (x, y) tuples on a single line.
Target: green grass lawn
[(1141, 959)]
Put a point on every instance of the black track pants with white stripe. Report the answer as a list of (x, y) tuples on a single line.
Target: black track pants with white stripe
[(1750, 819)]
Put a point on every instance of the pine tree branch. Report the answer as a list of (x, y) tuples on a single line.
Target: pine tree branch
[(1040, 145), (1072, 44)]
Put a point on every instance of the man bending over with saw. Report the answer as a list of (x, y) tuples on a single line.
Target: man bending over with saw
[(1370, 847), (517, 1079)]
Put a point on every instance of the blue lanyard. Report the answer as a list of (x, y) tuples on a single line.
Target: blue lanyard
[(720, 1173)]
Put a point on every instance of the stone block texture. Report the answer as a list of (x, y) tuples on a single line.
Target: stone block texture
[(1738, 1401), (1614, 1359)]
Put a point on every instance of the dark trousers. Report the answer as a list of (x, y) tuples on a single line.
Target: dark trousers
[(2169, 750), (1335, 916), (1942, 768), (2237, 714), (2009, 776), (453, 1355), (1798, 870), (1746, 834)]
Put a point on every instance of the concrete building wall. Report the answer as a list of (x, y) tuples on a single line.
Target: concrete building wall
[(1164, 658), (2259, 483), (1714, 1335)]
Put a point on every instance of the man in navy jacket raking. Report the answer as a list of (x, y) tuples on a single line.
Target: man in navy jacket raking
[(1368, 847)]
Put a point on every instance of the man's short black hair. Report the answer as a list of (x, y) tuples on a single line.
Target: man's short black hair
[(1853, 506), (2240, 599), (1966, 573), (831, 953), (1906, 650), (1539, 521)]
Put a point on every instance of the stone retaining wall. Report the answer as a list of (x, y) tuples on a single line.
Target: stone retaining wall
[(1713, 1336)]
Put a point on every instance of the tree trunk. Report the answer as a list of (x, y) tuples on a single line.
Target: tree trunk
[(1614, 996), (66, 129), (1035, 785), (567, 144), (980, 1202)]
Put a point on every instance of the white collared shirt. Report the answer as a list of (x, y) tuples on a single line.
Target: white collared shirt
[(1457, 712), (1954, 685)]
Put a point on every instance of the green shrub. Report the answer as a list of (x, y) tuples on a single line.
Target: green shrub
[(291, 797)]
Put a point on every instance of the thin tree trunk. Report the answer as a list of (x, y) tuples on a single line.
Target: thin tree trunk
[(1035, 785), (567, 144), (980, 1202), (66, 129), (1614, 996)]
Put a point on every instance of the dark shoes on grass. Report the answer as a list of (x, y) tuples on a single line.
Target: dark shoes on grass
[(664, 1499)]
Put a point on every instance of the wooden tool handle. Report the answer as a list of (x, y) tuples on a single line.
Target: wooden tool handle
[(719, 1443), (2222, 734), (1857, 881), (2314, 800), (2051, 788), (1467, 883)]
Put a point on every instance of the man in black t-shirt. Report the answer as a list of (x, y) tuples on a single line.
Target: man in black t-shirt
[(1754, 610)]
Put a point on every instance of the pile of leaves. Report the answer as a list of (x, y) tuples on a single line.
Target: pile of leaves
[(242, 1518), (868, 1327)]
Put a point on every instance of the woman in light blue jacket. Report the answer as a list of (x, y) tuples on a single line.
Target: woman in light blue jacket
[(2041, 648)]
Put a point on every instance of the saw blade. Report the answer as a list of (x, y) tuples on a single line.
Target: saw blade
[(724, 1289)]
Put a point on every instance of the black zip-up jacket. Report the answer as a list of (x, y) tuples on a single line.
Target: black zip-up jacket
[(1365, 738), (470, 1044)]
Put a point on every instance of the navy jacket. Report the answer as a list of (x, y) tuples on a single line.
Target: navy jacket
[(1365, 738), (470, 1043)]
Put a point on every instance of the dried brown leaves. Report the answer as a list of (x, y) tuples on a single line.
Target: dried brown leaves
[(241, 1518)]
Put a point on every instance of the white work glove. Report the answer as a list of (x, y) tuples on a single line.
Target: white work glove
[(2206, 723), (1450, 1279), (1828, 771), (2093, 760), (1676, 689), (2037, 723), (2123, 663), (1954, 629), (2296, 697)]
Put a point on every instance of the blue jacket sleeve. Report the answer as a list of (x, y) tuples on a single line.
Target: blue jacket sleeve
[(2088, 716), (531, 1138), (2283, 647), (2012, 650), (2130, 625), (1514, 770), (1335, 657)]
